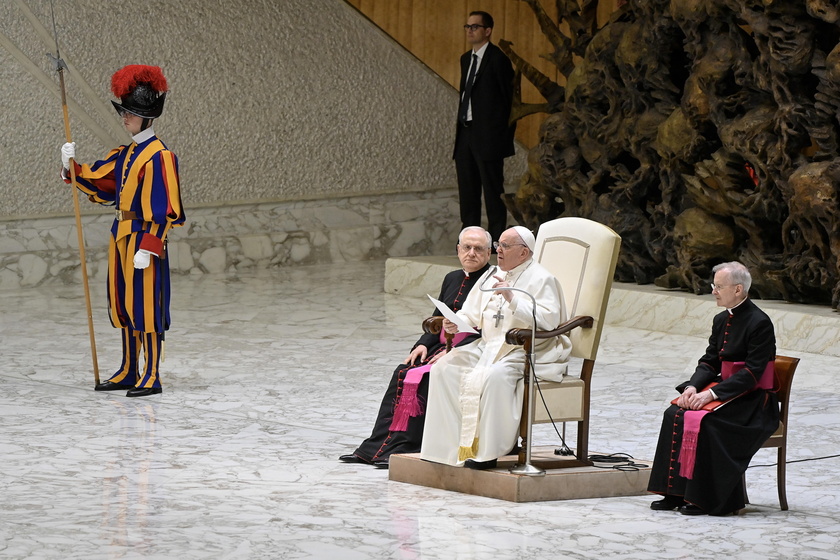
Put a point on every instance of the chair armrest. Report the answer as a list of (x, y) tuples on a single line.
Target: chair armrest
[(520, 336), (432, 325)]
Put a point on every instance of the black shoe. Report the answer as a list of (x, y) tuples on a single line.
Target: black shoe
[(351, 459), (691, 509), (138, 392), (481, 465), (109, 386), (667, 503), (380, 463)]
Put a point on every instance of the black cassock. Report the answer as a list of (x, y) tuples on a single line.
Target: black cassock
[(382, 441), (731, 435)]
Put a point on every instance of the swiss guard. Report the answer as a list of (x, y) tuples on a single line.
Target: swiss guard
[(141, 181)]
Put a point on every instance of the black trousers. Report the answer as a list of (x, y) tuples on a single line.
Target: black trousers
[(476, 175), (382, 441)]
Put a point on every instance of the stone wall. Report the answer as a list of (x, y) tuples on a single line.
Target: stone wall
[(228, 239), (276, 110)]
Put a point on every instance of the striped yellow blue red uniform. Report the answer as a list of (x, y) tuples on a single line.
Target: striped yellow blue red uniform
[(141, 179)]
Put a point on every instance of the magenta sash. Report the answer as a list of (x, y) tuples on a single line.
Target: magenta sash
[(692, 418), (408, 404), (688, 449), (766, 381), (456, 340)]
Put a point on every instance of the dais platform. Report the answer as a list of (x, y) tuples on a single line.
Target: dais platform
[(573, 483)]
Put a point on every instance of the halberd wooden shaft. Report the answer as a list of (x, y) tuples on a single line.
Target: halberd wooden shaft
[(76, 209)]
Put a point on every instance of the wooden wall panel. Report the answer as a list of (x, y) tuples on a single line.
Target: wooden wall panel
[(433, 31)]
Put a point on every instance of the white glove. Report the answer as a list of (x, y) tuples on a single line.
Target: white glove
[(68, 152), (142, 258)]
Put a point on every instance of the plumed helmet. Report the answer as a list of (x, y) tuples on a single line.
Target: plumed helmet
[(141, 89)]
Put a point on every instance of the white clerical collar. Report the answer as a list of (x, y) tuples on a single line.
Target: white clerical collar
[(516, 271), (734, 306), (482, 270), (143, 135)]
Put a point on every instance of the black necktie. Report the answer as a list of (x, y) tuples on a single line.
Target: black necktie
[(465, 102)]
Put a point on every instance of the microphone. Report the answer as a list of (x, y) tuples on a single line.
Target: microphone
[(486, 278), (528, 468), (509, 289), (514, 289)]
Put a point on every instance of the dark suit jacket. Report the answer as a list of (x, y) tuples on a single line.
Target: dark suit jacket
[(492, 96)]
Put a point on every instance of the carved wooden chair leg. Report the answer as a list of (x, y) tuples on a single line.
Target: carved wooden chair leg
[(780, 475)]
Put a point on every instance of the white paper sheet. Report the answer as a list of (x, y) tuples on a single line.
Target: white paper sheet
[(452, 316)]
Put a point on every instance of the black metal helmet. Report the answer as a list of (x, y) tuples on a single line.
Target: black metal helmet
[(141, 89)]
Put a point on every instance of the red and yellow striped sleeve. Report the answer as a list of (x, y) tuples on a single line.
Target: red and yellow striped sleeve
[(98, 180)]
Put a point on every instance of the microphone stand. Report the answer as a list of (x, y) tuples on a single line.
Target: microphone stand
[(528, 468)]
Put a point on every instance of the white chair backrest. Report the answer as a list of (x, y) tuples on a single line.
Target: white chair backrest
[(582, 255)]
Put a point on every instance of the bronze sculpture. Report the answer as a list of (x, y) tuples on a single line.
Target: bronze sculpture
[(701, 131)]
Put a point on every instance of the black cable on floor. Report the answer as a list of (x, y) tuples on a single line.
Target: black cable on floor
[(799, 461), (617, 461)]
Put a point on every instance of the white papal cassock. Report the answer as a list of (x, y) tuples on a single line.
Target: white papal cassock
[(476, 391)]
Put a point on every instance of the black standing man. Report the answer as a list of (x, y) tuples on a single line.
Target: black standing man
[(484, 137)]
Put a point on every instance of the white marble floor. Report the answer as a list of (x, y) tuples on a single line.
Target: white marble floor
[(270, 377)]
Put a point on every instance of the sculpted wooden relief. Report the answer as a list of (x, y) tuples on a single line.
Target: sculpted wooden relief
[(701, 131)]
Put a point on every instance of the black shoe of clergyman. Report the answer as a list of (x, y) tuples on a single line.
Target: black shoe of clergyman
[(668, 503), (109, 386), (481, 465), (138, 392), (381, 463), (691, 509), (351, 459)]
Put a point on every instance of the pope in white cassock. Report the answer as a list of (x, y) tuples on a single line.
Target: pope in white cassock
[(476, 391)]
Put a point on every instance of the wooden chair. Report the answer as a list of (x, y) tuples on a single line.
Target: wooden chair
[(582, 254), (785, 368)]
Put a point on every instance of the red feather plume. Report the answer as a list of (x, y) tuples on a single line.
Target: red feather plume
[(128, 77)]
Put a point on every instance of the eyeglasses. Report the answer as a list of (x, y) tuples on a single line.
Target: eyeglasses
[(497, 245), (468, 248), (717, 287), (474, 26)]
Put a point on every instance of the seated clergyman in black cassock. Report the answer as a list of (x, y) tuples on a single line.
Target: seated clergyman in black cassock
[(399, 425), (702, 454)]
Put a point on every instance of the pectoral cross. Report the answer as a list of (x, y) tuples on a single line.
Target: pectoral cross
[(498, 316)]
